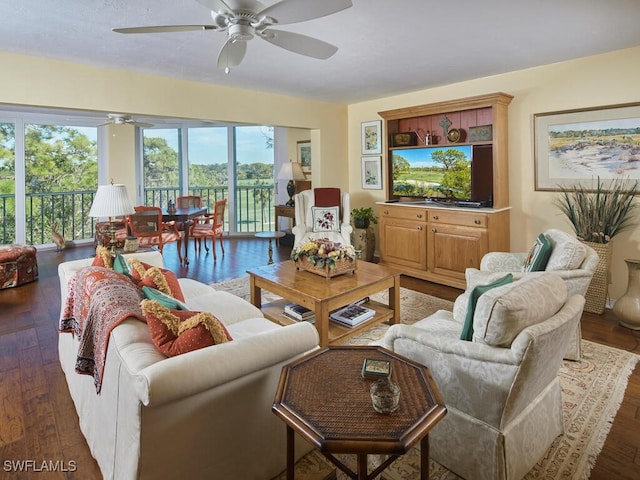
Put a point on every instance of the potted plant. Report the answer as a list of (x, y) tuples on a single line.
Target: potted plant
[(597, 215), (363, 216)]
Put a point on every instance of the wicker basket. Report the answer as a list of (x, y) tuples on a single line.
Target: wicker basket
[(346, 265), (596, 296)]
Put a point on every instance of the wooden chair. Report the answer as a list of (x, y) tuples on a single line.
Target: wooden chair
[(147, 225), (210, 225), (187, 201)]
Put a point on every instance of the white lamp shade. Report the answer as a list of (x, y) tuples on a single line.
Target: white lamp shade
[(291, 171), (111, 201)]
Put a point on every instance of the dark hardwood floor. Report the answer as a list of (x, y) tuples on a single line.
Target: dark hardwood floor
[(38, 422)]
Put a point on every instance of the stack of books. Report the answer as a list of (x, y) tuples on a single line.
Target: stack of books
[(352, 315), (299, 313)]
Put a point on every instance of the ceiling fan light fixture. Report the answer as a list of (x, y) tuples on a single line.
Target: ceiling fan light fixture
[(240, 32)]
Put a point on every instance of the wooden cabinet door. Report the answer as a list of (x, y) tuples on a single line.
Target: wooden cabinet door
[(403, 242), (454, 248)]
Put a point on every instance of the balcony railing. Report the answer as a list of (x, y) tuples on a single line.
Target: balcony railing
[(69, 211)]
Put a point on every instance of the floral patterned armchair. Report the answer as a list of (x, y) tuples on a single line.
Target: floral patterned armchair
[(332, 220), (502, 391), (570, 258)]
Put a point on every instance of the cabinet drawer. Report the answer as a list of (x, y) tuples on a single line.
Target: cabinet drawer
[(406, 213), (469, 219)]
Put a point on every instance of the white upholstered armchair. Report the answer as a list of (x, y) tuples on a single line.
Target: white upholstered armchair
[(501, 390), (307, 215), (570, 258)]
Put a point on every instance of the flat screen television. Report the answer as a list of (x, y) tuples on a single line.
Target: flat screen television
[(451, 172)]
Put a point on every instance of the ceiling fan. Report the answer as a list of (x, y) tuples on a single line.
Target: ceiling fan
[(244, 19), (121, 119)]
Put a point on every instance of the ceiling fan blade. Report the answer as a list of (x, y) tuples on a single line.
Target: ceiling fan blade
[(298, 43), (216, 5), (165, 28), (293, 11), (232, 53), (140, 124)]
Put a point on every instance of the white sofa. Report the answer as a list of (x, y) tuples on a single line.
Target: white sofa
[(204, 414)]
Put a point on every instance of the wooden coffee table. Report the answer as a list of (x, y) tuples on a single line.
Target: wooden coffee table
[(324, 398), (324, 295)]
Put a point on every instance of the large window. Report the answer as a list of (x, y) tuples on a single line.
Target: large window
[(7, 183), (48, 176), (214, 162), (254, 179), (61, 176), (161, 163)]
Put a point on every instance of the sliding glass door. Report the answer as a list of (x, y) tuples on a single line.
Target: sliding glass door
[(235, 163)]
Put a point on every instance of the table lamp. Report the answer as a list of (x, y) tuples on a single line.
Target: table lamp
[(111, 201), (291, 171)]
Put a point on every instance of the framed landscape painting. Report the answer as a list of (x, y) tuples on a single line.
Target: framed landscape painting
[(372, 137), (576, 147), (372, 173), (304, 155)]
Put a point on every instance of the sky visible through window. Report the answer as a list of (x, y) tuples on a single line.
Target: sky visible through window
[(208, 145)]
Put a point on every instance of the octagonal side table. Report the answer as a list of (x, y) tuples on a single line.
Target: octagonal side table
[(324, 398)]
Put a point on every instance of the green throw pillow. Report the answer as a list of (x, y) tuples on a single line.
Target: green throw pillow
[(538, 256), (163, 299), (120, 265), (467, 328)]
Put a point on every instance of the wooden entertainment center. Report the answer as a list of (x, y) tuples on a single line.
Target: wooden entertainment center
[(438, 242)]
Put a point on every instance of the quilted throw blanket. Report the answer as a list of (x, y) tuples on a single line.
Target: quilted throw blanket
[(99, 299)]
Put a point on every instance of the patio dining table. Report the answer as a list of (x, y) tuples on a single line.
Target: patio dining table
[(184, 215)]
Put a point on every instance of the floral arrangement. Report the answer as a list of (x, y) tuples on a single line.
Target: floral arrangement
[(322, 251)]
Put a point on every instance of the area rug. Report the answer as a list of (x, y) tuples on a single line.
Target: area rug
[(592, 391)]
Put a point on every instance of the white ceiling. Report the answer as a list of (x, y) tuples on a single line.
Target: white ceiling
[(386, 47)]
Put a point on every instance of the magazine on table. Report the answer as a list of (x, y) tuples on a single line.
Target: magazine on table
[(352, 315), (298, 312), (311, 319)]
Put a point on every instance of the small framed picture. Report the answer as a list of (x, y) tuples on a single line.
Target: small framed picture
[(372, 137), (372, 173), (304, 155)]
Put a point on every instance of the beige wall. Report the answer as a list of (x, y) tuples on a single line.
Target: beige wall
[(40, 82), (335, 129), (119, 148), (599, 80)]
